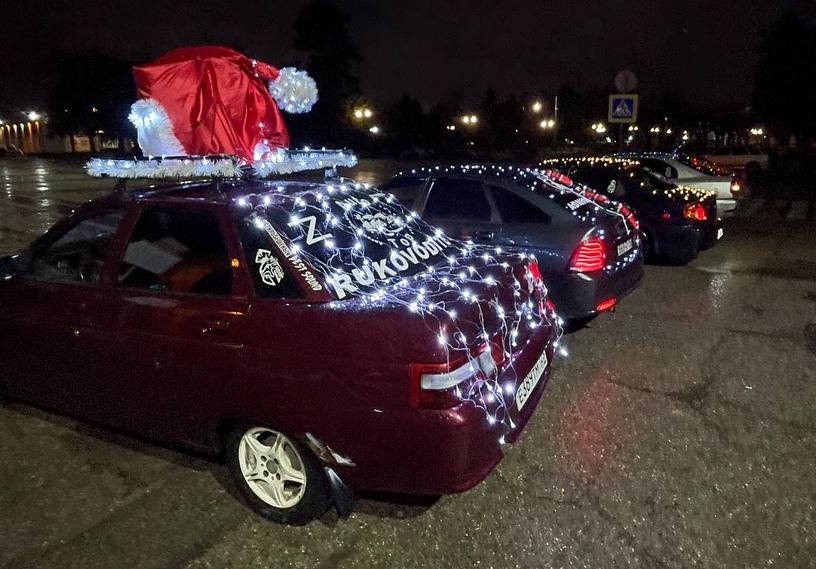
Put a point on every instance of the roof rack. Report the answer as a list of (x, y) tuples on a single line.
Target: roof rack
[(222, 166)]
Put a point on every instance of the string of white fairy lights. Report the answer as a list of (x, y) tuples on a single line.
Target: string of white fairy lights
[(382, 255)]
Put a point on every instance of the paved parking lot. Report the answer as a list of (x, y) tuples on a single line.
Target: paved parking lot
[(679, 432)]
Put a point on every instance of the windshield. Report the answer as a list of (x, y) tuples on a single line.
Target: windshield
[(359, 239)]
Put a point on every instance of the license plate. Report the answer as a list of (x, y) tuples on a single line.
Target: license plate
[(624, 247), (720, 233), (528, 385)]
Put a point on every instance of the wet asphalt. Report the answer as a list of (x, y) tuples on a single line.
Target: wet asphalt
[(679, 432)]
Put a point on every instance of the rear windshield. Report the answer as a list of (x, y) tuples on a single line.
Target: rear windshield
[(358, 239)]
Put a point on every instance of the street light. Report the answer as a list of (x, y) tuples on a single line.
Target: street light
[(547, 124), (33, 115), (374, 130), (470, 119), (598, 127), (361, 113), (536, 108)]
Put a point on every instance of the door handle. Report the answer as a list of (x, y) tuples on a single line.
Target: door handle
[(215, 327)]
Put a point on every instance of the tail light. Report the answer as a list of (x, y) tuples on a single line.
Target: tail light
[(439, 386), (607, 304), (695, 211), (736, 187), (589, 256)]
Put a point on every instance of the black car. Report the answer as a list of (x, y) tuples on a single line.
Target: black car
[(589, 252), (677, 221)]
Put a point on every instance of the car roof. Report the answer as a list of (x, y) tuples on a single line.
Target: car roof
[(609, 162), (509, 172), (646, 155)]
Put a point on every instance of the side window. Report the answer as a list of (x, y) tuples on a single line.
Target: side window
[(660, 167), (177, 250), (516, 209), (270, 273), (78, 255), (405, 190), (457, 199)]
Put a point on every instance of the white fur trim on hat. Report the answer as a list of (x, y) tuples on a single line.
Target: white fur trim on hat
[(154, 131)]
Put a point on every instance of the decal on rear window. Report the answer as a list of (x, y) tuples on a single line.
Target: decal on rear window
[(269, 267)]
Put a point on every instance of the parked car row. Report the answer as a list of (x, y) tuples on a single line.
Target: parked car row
[(327, 338)]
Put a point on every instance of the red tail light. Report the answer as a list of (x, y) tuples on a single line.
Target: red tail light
[(606, 304), (695, 211), (736, 187), (589, 256), (439, 386)]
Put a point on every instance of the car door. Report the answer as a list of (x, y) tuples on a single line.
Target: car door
[(55, 316), (460, 207), (182, 306)]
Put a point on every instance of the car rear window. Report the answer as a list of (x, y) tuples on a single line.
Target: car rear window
[(459, 199), (516, 209), (358, 239), (405, 189)]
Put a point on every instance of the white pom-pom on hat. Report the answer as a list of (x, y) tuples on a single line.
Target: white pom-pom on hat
[(294, 90)]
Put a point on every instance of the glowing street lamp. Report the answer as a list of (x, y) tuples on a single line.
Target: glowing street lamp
[(536, 107), (375, 130), (361, 113), (547, 124), (33, 115), (471, 120), (598, 127)]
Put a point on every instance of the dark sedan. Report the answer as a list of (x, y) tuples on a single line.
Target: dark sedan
[(318, 335), (677, 221), (589, 252)]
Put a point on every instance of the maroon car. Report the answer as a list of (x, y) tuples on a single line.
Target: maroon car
[(319, 336)]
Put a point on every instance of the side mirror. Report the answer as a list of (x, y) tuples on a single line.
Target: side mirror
[(8, 268)]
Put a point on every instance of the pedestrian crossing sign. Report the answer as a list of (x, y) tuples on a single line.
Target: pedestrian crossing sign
[(623, 108)]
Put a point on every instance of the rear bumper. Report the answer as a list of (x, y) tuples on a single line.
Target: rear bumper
[(436, 452), (726, 206), (682, 242), (576, 295)]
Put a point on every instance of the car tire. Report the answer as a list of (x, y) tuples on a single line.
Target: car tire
[(650, 250), (277, 476)]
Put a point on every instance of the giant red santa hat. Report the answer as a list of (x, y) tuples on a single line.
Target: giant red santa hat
[(202, 101)]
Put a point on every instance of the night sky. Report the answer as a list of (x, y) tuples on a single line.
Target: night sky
[(704, 51)]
